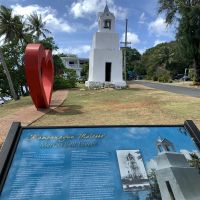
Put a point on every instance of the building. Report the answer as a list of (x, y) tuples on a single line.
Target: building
[(73, 62), (105, 65), (176, 179)]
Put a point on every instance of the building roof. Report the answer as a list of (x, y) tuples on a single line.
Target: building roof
[(106, 9)]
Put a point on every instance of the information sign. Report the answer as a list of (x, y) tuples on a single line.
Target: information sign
[(95, 163)]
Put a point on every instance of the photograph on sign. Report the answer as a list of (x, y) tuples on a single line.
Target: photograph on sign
[(133, 173)]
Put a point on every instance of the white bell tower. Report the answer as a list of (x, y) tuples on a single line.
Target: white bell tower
[(105, 66)]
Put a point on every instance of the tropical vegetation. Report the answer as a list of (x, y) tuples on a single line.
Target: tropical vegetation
[(185, 13), (17, 31)]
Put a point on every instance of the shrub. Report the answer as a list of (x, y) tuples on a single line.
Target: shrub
[(191, 74), (163, 75), (66, 80)]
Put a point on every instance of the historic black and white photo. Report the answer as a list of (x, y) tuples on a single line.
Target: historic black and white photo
[(132, 170)]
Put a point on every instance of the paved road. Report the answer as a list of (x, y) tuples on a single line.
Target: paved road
[(194, 92)]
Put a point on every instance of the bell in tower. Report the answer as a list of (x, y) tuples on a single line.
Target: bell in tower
[(164, 145), (106, 21)]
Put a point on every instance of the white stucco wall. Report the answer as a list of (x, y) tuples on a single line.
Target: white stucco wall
[(105, 41), (105, 48), (98, 61)]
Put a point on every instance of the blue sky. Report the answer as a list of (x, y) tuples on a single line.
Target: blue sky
[(73, 22)]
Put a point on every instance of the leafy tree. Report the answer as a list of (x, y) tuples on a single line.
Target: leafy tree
[(59, 67), (85, 71), (49, 43), (164, 60), (132, 59), (37, 26), (17, 34), (66, 80), (195, 162), (13, 54), (187, 14), (9, 27)]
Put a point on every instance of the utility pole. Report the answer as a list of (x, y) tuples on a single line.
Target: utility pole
[(125, 46), (12, 90)]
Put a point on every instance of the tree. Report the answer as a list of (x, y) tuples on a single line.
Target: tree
[(85, 72), (8, 27), (132, 59), (37, 26), (59, 67), (187, 14), (49, 43), (18, 34), (164, 61), (195, 162)]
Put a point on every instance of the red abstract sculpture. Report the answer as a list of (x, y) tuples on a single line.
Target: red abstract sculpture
[(39, 71)]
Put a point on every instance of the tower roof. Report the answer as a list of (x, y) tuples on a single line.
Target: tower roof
[(106, 9)]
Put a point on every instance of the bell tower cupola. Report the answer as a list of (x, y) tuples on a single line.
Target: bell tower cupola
[(106, 21)]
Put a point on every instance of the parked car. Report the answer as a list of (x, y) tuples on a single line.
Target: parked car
[(7, 98), (178, 76), (1, 102), (185, 78)]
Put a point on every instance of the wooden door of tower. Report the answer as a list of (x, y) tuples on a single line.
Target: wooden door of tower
[(108, 72)]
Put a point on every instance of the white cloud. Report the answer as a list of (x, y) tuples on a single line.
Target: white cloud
[(83, 49), (81, 8), (159, 27), (142, 18), (158, 42), (48, 14), (131, 37), (137, 134)]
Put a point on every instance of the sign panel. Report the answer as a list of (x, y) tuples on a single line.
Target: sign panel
[(95, 163)]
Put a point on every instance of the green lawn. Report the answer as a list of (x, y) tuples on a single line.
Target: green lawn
[(136, 105)]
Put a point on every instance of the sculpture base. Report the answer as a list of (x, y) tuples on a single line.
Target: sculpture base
[(96, 84)]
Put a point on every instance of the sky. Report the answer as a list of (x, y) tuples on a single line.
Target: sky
[(73, 22)]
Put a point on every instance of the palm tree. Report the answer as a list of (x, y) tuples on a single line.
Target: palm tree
[(8, 29), (37, 26)]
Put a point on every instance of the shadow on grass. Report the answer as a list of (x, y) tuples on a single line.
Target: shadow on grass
[(67, 110), (140, 89)]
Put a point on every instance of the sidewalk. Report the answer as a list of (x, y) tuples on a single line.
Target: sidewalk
[(29, 114)]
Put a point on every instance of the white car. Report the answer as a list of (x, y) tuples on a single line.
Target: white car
[(1, 102), (7, 98)]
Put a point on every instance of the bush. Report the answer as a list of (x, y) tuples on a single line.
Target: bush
[(191, 74), (164, 78), (163, 75), (66, 80), (84, 72)]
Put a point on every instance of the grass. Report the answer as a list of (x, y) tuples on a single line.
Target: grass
[(13, 106), (136, 105)]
